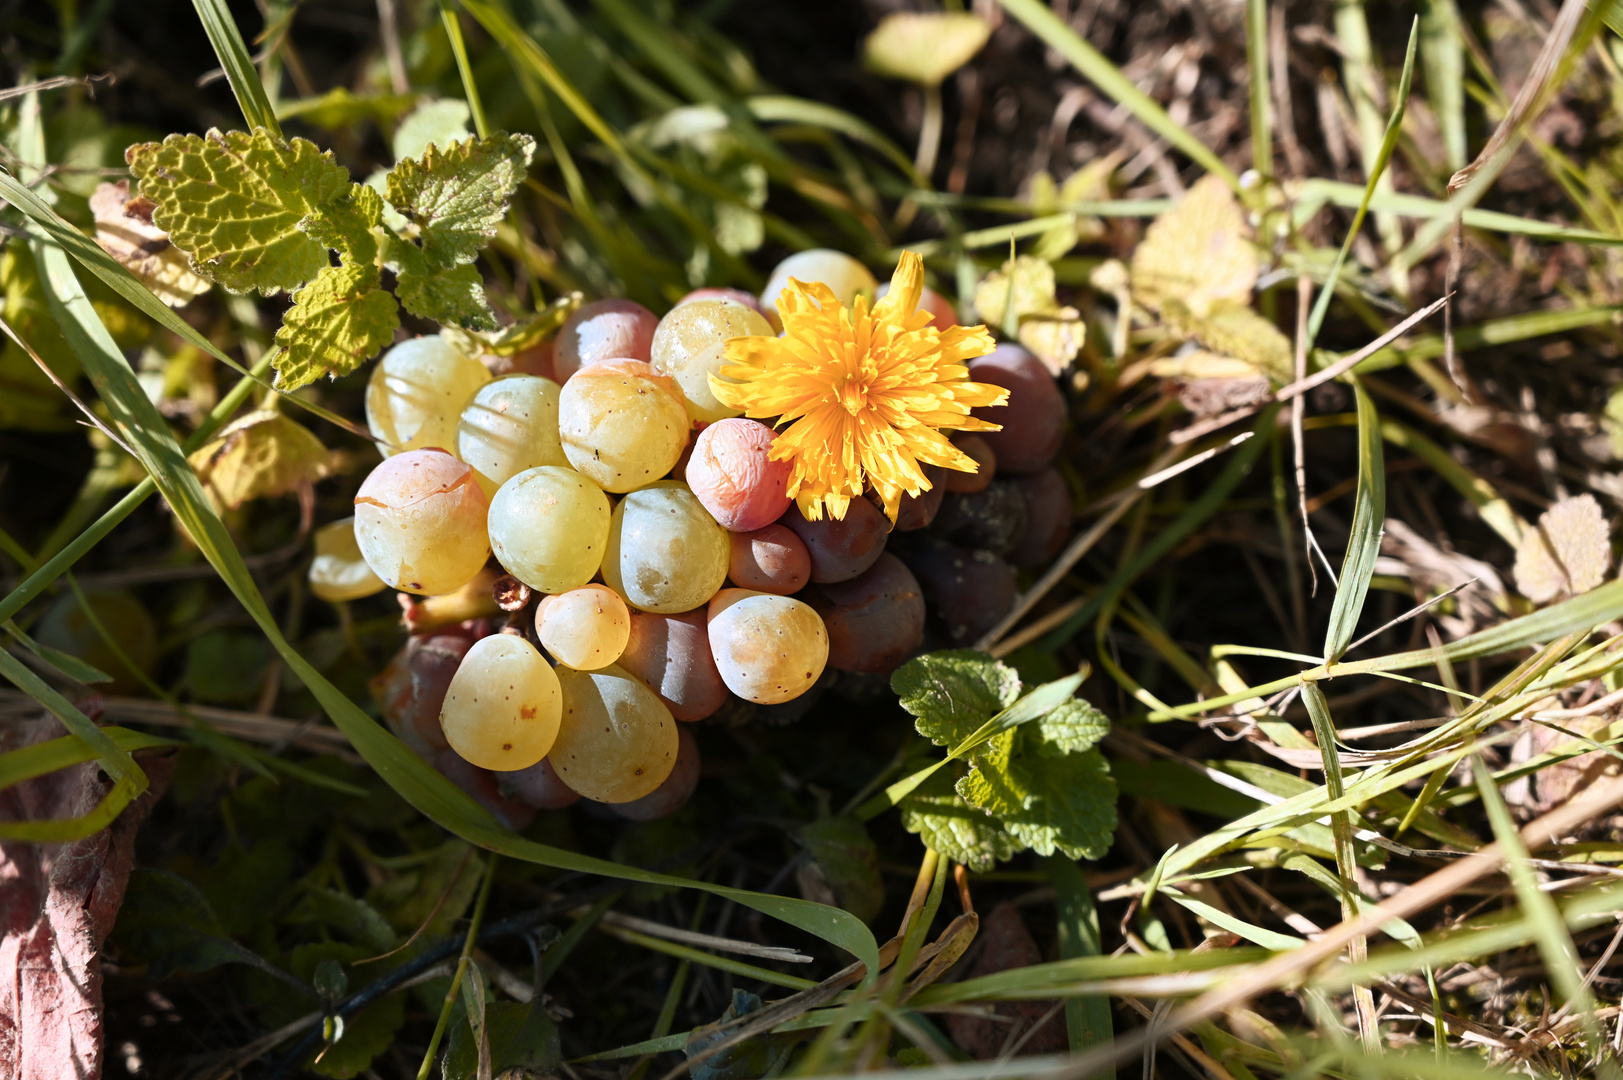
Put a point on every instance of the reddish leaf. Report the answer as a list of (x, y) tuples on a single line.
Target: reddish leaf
[(57, 904)]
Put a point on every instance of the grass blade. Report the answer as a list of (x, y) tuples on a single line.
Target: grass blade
[(238, 64), (116, 762), (1256, 61), (1369, 518), (1443, 52), (1087, 1019), (1042, 21)]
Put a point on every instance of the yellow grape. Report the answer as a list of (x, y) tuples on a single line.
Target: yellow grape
[(420, 522), (623, 424), (548, 528), (769, 649), (585, 628), (691, 344), (339, 571), (665, 552), (617, 741), (416, 394), (510, 425), (503, 707), (840, 272)]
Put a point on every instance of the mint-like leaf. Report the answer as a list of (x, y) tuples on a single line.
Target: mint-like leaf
[(233, 202), (455, 296), (1070, 728), (456, 196), (346, 223), (337, 322), (959, 831), (953, 692), (1066, 803)]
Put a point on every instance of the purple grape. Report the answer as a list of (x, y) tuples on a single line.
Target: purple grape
[(1034, 418), (410, 691), (671, 653), (970, 591), (771, 560), (841, 549), (538, 786), (675, 790), (1048, 517), (481, 785), (917, 513), (975, 446), (604, 330), (875, 620), (993, 519)]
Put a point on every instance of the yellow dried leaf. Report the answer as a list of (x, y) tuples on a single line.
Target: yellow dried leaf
[(125, 231), (1054, 337), (1198, 253), (1201, 364), (1238, 332), (1569, 552), (925, 46), (260, 455), (1033, 290)]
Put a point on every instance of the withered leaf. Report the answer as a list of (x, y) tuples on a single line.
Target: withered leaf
[(125, 231), (1567, 553)]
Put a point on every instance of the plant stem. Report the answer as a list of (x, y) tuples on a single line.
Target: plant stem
[(929, 132), (461, 969)]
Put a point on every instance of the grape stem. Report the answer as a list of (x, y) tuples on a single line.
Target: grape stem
[(461, 969)]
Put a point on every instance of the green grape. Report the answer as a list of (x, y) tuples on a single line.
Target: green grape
[(503, 706), (585, 628), (339, 570), (769, 649), (665, 552), (617, 741), (623, 424), (690, 345), (510, 425), (416, 394), (840, 272), (548, 528), (420, 522)]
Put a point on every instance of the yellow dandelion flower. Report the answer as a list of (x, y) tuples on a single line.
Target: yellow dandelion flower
[(861, 394)]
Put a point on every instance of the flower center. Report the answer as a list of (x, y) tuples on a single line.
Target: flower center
[(853, 393)]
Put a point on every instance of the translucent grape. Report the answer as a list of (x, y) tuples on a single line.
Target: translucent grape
[(970, 591), (841, 549), (510, 425), (769, 649), (416, 394), (539, 786), (665, 552), (339, 571), (839, 271), (874, 621), (603, 330), (549, 527), (502, 709), (675, 790), (585, 628), (623, 424), (671, 653), (737, 296), (771, 560), (691, 345), (420, 522), (1033, 419), (731, 473), (618, 741)]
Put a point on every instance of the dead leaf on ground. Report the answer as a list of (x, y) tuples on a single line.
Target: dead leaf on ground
[(1053, 333), (261, 455), (1567, 553), (125, 231), (58, 905), (1434, 570), (1006, 944)]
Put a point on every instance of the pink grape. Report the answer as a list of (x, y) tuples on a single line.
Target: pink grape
[(731, 474), (603, 330), (675, 790), (1033, 419), (671, 653), (539, 786), (737, 296), (420, 522), (841, 549), (772, 559), (411, 689)]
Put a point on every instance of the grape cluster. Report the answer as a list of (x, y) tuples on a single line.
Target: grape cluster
[(656, 566)]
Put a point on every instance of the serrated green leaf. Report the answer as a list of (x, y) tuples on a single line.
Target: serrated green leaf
[(233, 202), (346, 222), (849, 861), (337, 323), (1072, 727), (949, 825), (436, 123), (455, 296), (166, 922), (349, 916), (457, 196), (953, 692), (1066, 803)]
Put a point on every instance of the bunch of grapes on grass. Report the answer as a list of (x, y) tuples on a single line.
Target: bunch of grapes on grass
[(594, 552)]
